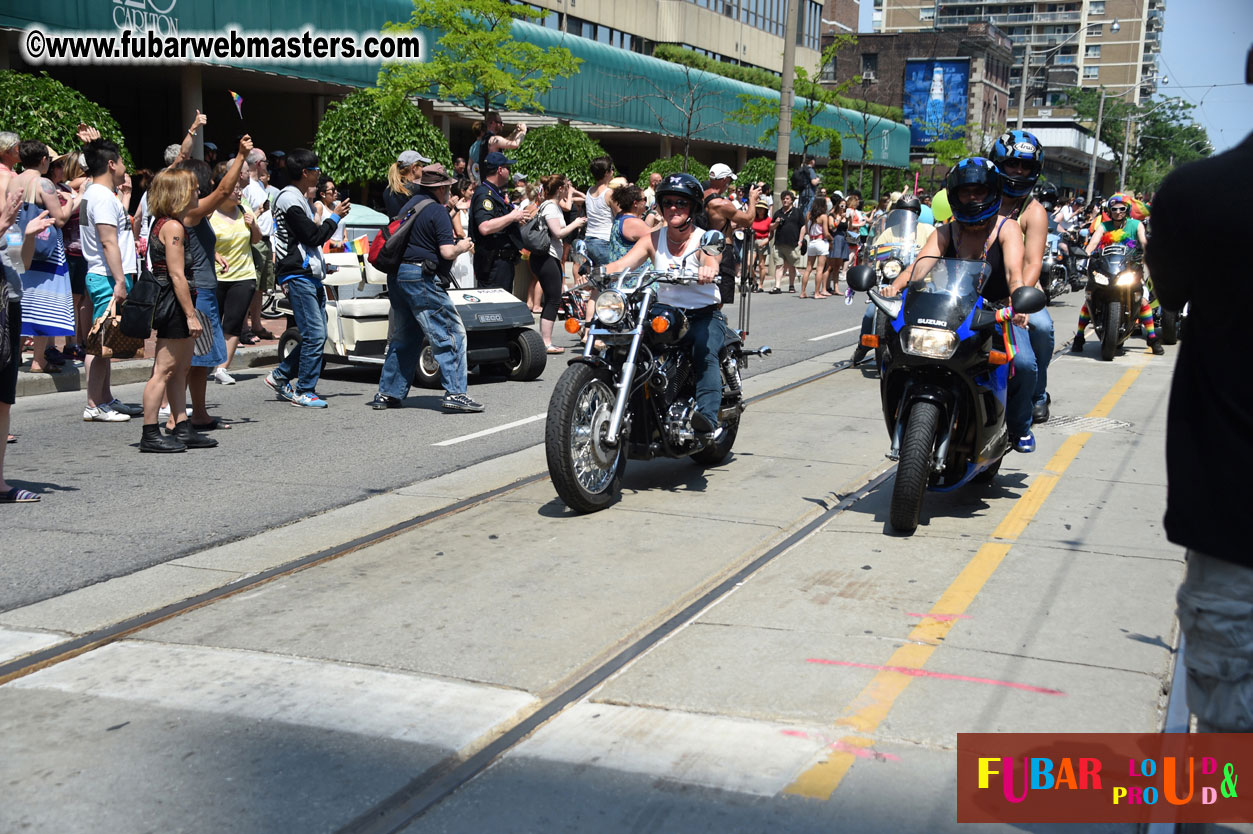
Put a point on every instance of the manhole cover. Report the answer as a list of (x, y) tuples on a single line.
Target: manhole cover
[(1074, 425)]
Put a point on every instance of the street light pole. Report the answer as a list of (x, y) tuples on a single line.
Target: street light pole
[(786, 96), (1022, 92), (1126, 138), (1096, 146)]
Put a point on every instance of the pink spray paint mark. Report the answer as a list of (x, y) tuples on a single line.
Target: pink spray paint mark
[(942, 617), (923, 673), (844, 747)]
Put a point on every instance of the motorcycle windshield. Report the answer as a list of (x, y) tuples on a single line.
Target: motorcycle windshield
[(943, 291), (894, 235)]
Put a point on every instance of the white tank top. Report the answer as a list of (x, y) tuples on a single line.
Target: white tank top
[(599, 217), (679, 295)]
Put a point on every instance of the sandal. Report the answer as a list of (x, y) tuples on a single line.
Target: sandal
[(213, 425), (18, 496), (250, 339), (554, 349), (776, 291), (12, 439)]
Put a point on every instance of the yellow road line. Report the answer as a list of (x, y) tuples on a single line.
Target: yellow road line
[(872, 704)]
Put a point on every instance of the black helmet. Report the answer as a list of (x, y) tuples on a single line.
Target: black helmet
[(681, 185), (974, 170), (909, 203), (1046, 193), (1024, 147)]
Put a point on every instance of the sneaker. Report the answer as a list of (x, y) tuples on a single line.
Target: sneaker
[(103, 414), (125, 408), (280, 387), (1025, 444), (460, 402), (308, 399), (1077, 345), (223, 377), (163, 413), (382, 401)]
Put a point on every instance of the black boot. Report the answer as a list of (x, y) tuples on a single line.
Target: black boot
[(1077, 345), (192, 439), (154, 441), (1155, 345)]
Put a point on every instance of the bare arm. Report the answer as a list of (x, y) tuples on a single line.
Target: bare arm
[(60, 212), (113, 258), (450, 251), (642, 251), (1094, 239), (184, 150), (560, 232), (1036, 232), (209, 204), (34, 227), (1013, 253), (496, 224), (930, 249)]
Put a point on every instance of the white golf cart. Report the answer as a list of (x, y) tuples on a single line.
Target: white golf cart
[(499, 333)]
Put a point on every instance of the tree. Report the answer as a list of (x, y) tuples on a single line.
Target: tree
[(558, 149), (812, 100), (864, 132), (42, 108), (671, 164), (694, 111), (360, 137), (1165, 136), (478, 62), (1087, 103)]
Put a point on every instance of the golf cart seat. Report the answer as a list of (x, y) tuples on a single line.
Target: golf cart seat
[(362, 308)]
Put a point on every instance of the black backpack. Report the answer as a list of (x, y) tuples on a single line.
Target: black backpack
[(729, 270), (800, 181)]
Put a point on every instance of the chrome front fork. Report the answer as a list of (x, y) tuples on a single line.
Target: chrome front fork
[(627, 377)]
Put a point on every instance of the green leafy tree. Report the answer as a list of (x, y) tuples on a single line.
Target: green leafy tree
[(1165, 136), (759, 169), (1087, 103), (478, 63), (360, 137), (42, 108), (812, 100), (558, 149), (670, 165)]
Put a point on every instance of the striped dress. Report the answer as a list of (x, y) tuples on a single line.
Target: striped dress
[(47, 303)]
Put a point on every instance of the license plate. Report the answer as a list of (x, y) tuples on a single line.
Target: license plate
[(489, 318)]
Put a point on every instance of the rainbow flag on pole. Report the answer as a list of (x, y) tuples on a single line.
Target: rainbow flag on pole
[(239, 102), (360, 245)]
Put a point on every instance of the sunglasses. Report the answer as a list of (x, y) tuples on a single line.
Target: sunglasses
[(1118, 208), (671, 204)]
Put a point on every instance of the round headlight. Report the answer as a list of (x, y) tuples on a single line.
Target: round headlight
[(891, 268), (1127, 278), (610, 307)]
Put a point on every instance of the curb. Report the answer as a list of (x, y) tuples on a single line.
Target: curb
[(126, 371)]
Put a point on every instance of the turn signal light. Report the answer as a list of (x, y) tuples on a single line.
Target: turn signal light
[(661, 324), (572, 325), (998, 357), (870, 340)]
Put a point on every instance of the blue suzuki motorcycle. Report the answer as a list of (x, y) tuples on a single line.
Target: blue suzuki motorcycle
[(944, 373)]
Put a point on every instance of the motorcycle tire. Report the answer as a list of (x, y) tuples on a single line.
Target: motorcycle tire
[(527, 355), (1109, 339), (586, 474), (1170, 327), (880, 331), (914, 469)]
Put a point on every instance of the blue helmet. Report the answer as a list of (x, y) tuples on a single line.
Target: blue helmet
[(974, 170), (1023, 146)]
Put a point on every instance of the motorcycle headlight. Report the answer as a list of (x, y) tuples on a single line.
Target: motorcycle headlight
[(930, 342), (1100, 278), (1127, 278), (610, 307), (891, 268)]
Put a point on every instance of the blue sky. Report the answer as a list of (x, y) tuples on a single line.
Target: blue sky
[(1204, 43)]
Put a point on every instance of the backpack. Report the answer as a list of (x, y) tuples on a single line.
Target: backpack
[(387, 250), (799, 181), (535, 233), (473, 158)]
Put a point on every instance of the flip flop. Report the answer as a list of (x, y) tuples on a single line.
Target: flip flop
[(776, 291), (18, 496), (213, 425), (12, 439), (554, 349)]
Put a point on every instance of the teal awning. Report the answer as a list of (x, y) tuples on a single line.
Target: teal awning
[(613, 87)]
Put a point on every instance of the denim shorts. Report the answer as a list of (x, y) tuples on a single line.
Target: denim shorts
[(207, 303)]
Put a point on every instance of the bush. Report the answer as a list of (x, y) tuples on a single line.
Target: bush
[(761, 169), (360, 137), (41, 108), (557, 149), (670, 165)]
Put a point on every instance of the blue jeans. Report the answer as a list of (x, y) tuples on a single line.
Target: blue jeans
[(598, 251), (1040, 326), (303, 366), (1027, 386), (707, 333), (420, 307)]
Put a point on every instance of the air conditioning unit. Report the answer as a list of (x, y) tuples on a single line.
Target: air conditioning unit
[(868, 76)]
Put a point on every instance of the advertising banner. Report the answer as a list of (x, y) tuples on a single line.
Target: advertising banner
[(936, 99)]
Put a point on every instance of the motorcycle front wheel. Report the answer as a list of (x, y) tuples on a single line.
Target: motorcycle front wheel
[(586, 473), (914, 469), (1109, 339), (1170, 327)]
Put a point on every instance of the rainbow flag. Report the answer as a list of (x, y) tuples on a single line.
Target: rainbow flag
[(239, 102), (360, 245)]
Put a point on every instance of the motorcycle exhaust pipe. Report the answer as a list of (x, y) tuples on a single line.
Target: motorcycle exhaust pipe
[(764, 350)]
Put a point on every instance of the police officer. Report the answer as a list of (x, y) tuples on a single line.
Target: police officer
[(495, 226)]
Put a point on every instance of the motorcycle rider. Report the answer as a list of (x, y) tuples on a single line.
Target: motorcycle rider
[(923, 231), (673, 247), (980, 232), (1120, 229), (1019, 156)]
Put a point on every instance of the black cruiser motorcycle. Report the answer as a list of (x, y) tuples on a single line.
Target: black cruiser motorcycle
[(943, 378), (1115, 290), (631, 394)]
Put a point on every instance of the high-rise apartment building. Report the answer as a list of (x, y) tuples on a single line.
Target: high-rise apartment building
[(1083, 43)]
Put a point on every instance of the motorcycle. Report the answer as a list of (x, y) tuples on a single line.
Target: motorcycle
[(1054, 274), (1074, 257), (1115, 292), (631, 394), (894, 247), (943, 379)]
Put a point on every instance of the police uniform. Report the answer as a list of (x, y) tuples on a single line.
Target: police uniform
[(495, 255)]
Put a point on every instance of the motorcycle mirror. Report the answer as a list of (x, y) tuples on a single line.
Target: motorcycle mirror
[(1028, 300), (712, 242), (861, 277), (579, 253)]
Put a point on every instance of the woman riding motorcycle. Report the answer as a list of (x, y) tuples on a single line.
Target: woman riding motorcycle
[(1120, 229), (676, 247), (977, 233)]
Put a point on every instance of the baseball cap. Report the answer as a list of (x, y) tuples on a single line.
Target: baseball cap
[(519, 178), (209, 146), (407, 158), (720, 171), (496, 159)]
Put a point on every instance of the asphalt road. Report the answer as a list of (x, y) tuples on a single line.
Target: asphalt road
[(109, 511)]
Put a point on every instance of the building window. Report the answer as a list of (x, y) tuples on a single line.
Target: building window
[(927, 13), (869, 65), (828, 71), (1096, 7), (1091, 72), (1094, 29), (1093, 51)]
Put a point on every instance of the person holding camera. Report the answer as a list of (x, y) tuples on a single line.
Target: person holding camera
[(420, 302)]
